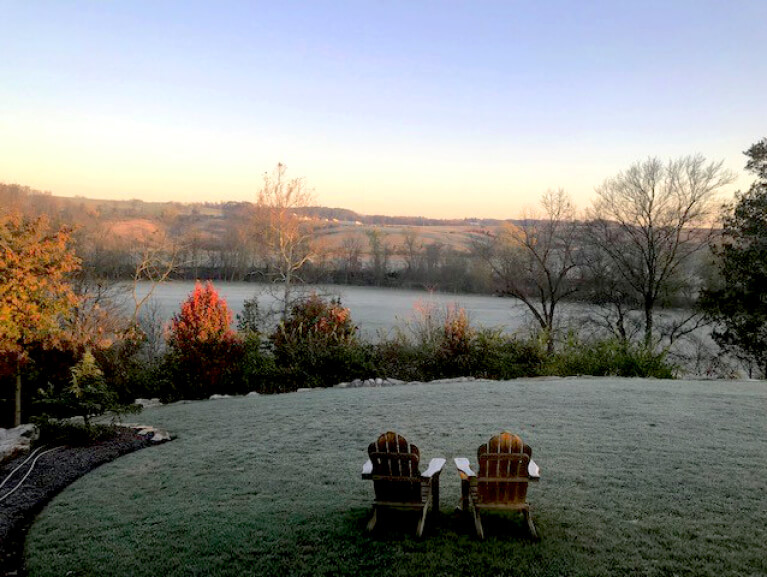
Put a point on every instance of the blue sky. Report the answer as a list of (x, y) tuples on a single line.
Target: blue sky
[(445, 109)]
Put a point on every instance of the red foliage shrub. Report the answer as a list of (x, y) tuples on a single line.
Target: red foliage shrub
[(204, 352), (204, 318)]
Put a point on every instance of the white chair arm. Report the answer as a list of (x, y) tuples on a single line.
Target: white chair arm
[(367, 469), (462, 464), (533, 470), (435, 466)]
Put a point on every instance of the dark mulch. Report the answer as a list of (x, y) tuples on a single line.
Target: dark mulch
[(51, 474)]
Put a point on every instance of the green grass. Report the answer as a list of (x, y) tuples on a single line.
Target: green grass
[(639, 477)]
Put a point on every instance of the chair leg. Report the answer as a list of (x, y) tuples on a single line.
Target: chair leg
[(435, 494), (373, 519), (530, 525), (463, 504), (422, 521), (477, 522)]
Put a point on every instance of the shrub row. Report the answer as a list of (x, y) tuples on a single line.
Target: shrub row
[(319, 346)]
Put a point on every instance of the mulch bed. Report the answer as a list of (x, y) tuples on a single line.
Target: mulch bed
[(52, 473)]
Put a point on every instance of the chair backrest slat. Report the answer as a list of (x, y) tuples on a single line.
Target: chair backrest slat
[(395, 467), (503, 476)]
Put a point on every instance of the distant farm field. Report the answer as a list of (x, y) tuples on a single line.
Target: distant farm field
[(639, 477)]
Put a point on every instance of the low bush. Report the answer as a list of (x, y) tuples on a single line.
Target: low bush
[(438, 344), (129, 367), (258, 370), (55, 432), (488, 354), (434, 343), (610, 357), (498, 356), (317, 345), (87, 395)]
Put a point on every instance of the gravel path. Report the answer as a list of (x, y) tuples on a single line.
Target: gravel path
[(52, 473)]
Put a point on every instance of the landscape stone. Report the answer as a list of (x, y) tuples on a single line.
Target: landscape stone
[(381, 382), (14, 442), (217, 397), (152, 434), (253, 394), (147, 402)]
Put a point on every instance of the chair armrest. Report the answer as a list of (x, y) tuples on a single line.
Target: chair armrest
[(533, 470), (435, 467), (462, 464), (367, 469)]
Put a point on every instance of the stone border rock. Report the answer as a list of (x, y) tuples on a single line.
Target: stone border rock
[(16, 441), (358, 383), (355, 384)]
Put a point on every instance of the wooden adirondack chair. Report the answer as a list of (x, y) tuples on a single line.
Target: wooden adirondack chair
[(505, 469), (398, 484)]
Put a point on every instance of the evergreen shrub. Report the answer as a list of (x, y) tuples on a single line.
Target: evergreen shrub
[(317, 345)]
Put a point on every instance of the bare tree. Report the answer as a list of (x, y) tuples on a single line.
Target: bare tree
[(350, 255), (155, 262), (614, 302), (285, 237), (536, 260), (650, 220), (379, 252), (412, 246)]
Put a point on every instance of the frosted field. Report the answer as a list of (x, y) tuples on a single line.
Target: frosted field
[(639, 477)]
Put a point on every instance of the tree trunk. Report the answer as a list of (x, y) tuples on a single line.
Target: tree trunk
[(549, 328), (549, 343), (620, 325), (648, 324), (17, 411), (286, 296)]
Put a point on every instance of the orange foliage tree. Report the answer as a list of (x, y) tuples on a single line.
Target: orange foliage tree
[(35, 292), (204, 318), (202, 344)]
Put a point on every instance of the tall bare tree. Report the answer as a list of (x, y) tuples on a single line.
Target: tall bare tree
[(412, 246), (535, 261), (379, 253), (350, 255), (285, 237), (650, 220), (155, 261)]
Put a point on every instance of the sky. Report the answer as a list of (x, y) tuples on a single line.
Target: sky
[(435, 108)]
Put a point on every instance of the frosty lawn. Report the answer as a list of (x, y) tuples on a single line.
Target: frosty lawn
[(639, 477)]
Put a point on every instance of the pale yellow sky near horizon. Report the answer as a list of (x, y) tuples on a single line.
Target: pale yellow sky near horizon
[(166, 162)]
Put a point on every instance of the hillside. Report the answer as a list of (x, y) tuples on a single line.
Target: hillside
[(136, 221)]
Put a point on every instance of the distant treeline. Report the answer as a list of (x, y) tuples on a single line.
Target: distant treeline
[(215, 241)]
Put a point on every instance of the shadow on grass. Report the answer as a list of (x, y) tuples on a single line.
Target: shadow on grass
[(396, 525), (449, 546)]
